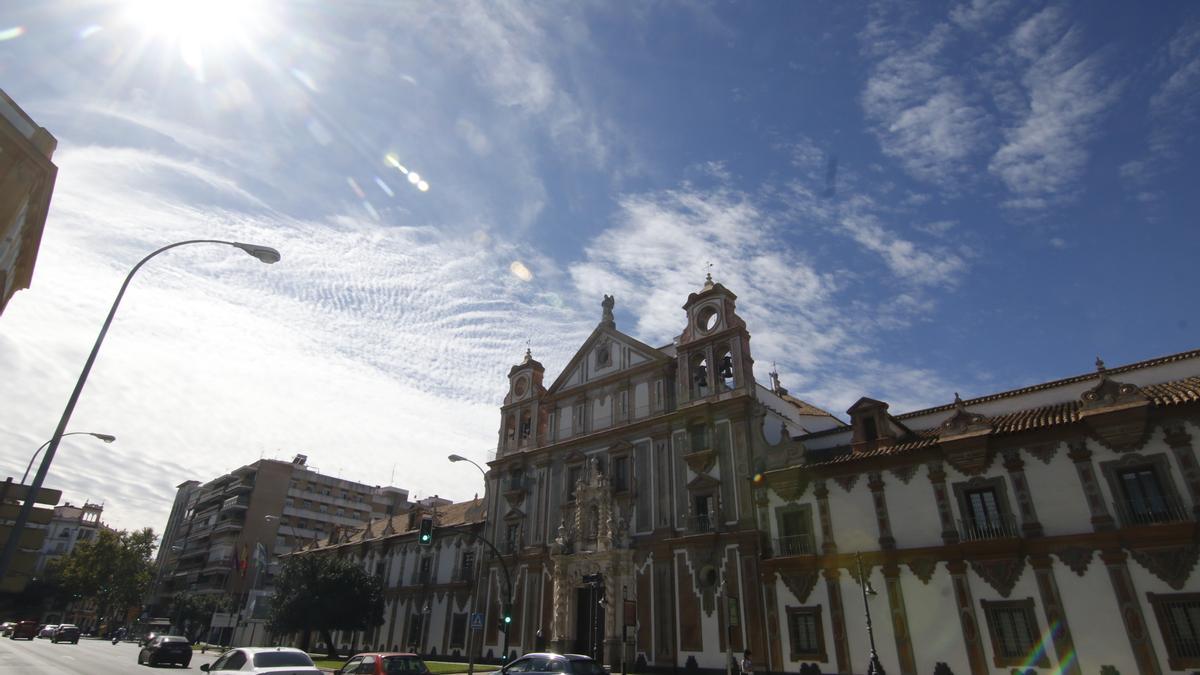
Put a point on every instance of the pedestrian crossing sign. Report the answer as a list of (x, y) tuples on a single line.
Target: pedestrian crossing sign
[(477, 621)]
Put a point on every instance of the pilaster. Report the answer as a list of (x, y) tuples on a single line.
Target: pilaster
[(1030, 526), (1056, 618), (1082, 456), (875, 483), (895, 594), (937, 478), (1180, 442), (972, 640), (821, 492), (1131, 612), (837, 617)]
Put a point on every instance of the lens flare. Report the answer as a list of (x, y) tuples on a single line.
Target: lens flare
[(11, 33), (414, 177), (422, 186), (520, 271)]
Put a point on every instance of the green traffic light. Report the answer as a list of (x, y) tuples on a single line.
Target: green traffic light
[(508, 619)]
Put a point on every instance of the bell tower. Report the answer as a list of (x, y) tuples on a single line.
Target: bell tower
[(521, 419), (713, 352)]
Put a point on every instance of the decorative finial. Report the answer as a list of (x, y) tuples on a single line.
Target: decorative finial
[(1100, 365), (958, 402), (607, 305), (708, 280), (528, 354)]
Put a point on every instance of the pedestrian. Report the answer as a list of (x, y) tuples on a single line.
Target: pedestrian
[(746, 667)]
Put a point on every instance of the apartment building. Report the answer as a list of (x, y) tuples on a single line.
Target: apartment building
[(69, 526), (233, 526), (26, 182)]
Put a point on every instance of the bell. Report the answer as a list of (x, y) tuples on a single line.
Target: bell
[(702, 375), (727, 368)]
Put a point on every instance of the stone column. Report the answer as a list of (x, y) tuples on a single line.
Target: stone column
[(937, 478), (904, 648), (1131, 612), (1030, 527), (837, 619), (972, 640), (821, 492), (1082, 456), (1056, 618), (875, 482), (1180, 442)]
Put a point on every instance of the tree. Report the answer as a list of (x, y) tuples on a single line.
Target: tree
[(114, 568), (192, 612), (324, 593)]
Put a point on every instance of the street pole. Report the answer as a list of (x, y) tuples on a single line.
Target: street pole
[(873, 666), (728, 631), (263, 253)]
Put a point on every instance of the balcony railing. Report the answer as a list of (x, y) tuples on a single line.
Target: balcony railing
[(235, 503), (700, 522), (1001, 527), (1161, 509), (799, 544)]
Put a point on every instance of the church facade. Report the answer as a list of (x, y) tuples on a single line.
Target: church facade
[(658, 506)]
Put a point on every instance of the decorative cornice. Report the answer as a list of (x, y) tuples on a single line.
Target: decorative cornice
[(1076, 559), (923, 568), (846, 482), (1000, 573), (800, 583)]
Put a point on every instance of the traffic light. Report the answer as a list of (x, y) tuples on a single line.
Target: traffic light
[(426, 536), (505, 619)]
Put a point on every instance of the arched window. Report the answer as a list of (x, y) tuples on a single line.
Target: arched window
[(701, 376), (725, 369)]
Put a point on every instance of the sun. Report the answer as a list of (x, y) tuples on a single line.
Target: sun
[(198, 24)]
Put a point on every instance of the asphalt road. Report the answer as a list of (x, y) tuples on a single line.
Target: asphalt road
[(89, 657)]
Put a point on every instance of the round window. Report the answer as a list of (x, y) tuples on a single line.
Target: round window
[(521, 385), (706, 319)]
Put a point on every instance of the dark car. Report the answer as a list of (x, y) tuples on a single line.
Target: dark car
[(384, 663), (546, 662), (24, 630), (166, 649), (67, 632)]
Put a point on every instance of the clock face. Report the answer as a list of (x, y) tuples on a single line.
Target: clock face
[(520, 387)]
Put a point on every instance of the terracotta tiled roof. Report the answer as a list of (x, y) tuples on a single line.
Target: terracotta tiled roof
[(804, 407), (460, 513), (1035, 418), (1177, 392), (1186, 390), (1111, 372)]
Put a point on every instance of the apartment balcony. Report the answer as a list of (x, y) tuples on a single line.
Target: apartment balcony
[(239, 503), (1002, 527), (227, 526), (794, 545), (239, 488), (1154, 511), (223, 564)]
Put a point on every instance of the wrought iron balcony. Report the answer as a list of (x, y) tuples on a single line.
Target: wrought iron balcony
[(700, 522), (1159, 509), (995, 527), (799, 544)]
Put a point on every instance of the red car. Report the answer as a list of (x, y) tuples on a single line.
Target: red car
[(26, 630), (384, 663)]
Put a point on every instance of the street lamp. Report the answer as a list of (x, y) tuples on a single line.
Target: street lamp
[(264, 254), (873, 666), (107, 438), (478, 571)]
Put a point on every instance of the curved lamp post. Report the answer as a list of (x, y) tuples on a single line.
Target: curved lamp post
[(478, 572), (107, 438), (265, 254)]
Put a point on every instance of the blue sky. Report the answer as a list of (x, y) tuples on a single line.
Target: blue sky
[(909, 199)]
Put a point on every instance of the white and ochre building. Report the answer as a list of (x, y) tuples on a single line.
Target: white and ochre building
[(1050, 528)]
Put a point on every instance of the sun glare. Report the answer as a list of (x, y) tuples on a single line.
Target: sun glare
[(199, 23)]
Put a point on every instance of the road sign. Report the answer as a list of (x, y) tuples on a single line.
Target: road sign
[(477, 621)]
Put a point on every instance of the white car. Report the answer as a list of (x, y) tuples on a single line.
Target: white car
[(272, 660), (47, 631)]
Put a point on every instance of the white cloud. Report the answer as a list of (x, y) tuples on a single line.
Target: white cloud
[(924, 117), (1045, 152)]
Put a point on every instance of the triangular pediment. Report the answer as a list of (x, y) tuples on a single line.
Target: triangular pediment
[(624, 353), (865, 403)]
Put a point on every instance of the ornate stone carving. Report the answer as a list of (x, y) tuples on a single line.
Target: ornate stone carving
[(905, 473), (1043, 452), (846, 482), (1000, 573), (962, 421), (800, 584), (700, 461), (1116, 412), (923, 568), (1076, 559), (791, 485), (1171, 564)]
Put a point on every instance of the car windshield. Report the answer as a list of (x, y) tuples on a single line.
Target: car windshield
[(172, 638), (278, 659), (403, 664), (587, 668)]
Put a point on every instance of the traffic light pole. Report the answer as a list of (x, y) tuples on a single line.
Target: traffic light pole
[(507, 582)]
